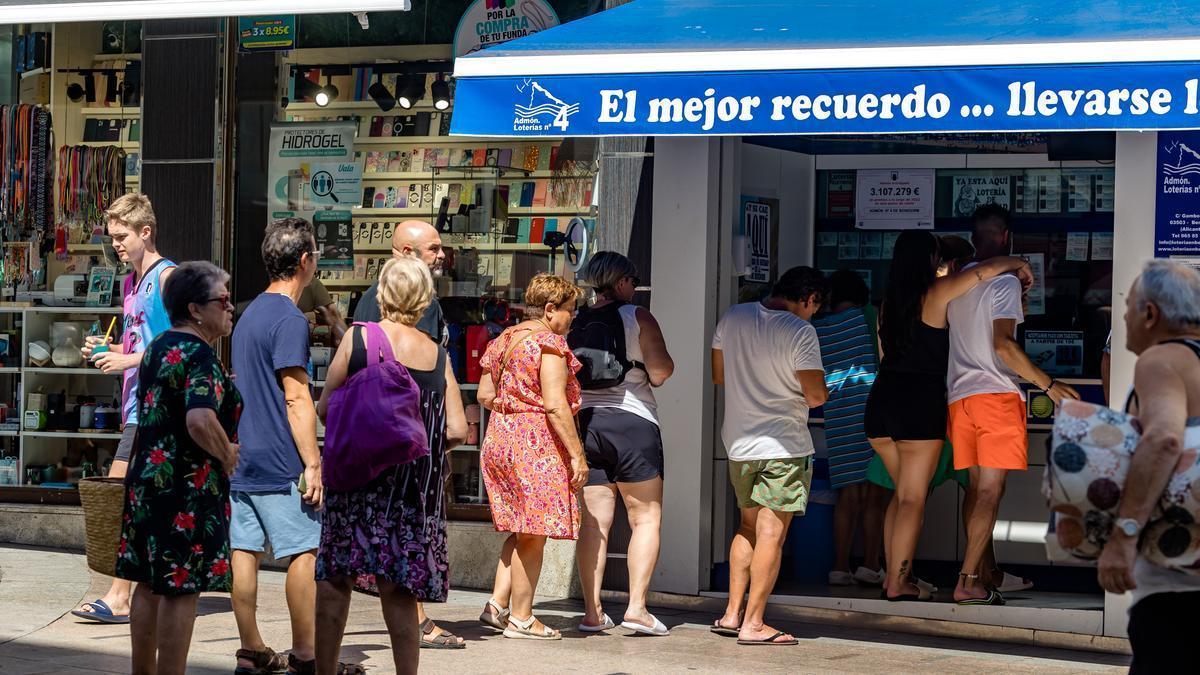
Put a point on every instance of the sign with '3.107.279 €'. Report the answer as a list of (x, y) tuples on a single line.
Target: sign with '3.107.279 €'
[(876, 100)]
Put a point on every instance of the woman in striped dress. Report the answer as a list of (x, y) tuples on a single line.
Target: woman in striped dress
[(848, 353)]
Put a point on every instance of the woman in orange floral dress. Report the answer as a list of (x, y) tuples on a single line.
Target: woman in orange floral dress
[(532, 460)]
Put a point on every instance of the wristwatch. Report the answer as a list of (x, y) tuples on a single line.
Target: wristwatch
[(1129, 527)]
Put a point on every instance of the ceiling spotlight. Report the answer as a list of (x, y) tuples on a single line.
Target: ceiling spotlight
[(110, 88), (379, 93), (414, 89), (327, 93), (440, 91), (305, 89)]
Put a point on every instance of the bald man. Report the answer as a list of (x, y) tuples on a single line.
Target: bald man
[(419, 239)]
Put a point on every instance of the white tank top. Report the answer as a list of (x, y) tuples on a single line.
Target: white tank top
[(634, 394)]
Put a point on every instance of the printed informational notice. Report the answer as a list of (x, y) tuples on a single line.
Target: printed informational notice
[(871, 246), (847, 246), (1102, 246), (759, 216), (1049, 189), (894, 199), (974, 190), (1035, 300), (1026, 194), (1055, 352), (1079, 190), (487, 23), (334, 239), (312, 168), (1177, 195), (1104, 190), (839, 195), (827, 239), (1077, 246), (889, 244)]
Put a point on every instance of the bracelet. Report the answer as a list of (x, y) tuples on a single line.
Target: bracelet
[(1050, 386)]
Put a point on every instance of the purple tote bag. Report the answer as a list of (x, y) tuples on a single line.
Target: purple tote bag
[(374, 419)]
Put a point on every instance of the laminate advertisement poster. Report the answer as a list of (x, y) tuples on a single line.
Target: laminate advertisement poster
[(312, 169)]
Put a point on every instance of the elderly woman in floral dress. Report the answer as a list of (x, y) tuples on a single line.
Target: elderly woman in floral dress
[(175, 534)]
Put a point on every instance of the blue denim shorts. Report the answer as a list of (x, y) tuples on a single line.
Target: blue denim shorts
[(282, 518)]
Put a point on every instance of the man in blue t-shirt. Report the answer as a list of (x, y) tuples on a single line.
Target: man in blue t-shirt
[(276, 490)]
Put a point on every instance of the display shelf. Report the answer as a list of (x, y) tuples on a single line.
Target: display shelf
[(101, 435), (346, 283), (9, 370), (124, 145), (466, 448), (9, 433), (68, 371), (35, 72), (431, 140), (468, 387), (117, 57), (110, 111), (74, 310), (461, 172), (363, 105), (502, 246), (520, 211), (85, 248)]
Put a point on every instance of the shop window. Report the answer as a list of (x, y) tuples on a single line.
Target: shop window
[(1062, 220)]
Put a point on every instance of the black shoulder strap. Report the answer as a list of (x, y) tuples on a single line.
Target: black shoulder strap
[(1189, 343), (358, 354)]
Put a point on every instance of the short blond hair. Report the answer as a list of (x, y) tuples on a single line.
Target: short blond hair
[(549, 289), (134, 211), (405, 290)]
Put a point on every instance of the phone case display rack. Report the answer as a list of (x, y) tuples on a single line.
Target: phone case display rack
[(493, 200)]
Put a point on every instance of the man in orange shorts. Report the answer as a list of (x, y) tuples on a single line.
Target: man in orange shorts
[(987, 407)]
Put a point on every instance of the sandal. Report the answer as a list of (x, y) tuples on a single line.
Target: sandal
[(773, 640), (499, 620), (444, 640), (992, 598), (295, 665), (100, 612), (523, 630), (726, 631), (265, 662)]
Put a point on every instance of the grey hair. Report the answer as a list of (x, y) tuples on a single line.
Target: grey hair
[(606, 269), (191, 282), (1175, 289)]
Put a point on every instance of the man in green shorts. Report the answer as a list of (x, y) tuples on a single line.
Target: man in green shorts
[(767, 357)]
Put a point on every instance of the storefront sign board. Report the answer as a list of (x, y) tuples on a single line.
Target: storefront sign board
[(760, 224), (894, 199), (1067, 97), (1177, 196), (974, 190), (491, 22), (312, 169), (267, 33), (1055, 352)]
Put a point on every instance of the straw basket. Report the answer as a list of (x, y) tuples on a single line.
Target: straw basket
[(103, 502)]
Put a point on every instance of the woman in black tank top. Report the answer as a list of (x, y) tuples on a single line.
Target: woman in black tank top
[(906, 411)]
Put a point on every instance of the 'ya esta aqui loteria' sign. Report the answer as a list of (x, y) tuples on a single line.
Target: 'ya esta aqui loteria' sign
[(983, 99)]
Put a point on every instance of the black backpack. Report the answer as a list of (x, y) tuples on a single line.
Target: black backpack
[(597, 338)]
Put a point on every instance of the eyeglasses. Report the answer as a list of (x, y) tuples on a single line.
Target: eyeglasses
[(223, 299)]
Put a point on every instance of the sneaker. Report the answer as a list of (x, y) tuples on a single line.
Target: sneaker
[(839, 578), (868, 577)]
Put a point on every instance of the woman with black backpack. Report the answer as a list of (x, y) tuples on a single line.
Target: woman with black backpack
[(624, 355)]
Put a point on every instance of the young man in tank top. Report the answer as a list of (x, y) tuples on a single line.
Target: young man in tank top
[(132, 226)]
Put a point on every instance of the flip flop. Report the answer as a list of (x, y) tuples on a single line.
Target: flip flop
[(659, 629), (724, 631), (773, 641), (993, 598), (605, 623), (100, 613), (446, 640)]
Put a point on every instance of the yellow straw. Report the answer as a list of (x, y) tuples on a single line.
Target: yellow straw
[(108, 333)]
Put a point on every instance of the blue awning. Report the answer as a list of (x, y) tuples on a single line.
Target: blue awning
[(744, 67)]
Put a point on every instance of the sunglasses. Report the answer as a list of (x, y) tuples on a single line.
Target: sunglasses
[(223, 299)]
